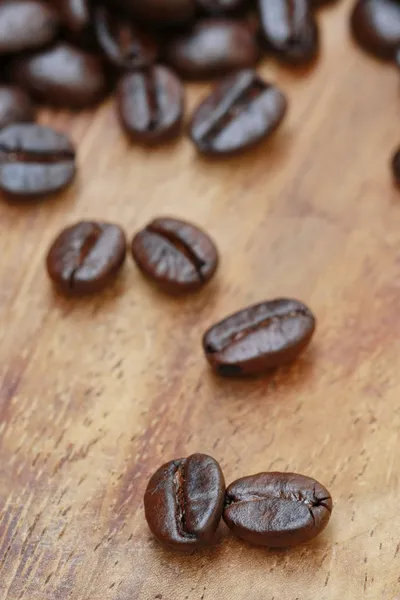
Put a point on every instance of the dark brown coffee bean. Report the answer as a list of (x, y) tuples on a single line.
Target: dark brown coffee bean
[(26, 24), (213, 47), (183, 502), (86, 257), (259, 338), (375, 25), (278, 510), (34, 161), (162, 12), (62, 76), (396, 167), (176, 255), (15, 106), (124, 44), (240, 112), (290, 29), (150, 105)]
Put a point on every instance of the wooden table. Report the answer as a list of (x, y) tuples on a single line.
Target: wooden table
[(96, 394)]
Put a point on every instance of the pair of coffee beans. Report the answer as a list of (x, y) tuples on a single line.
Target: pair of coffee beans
[(177, 256), (186, 498)]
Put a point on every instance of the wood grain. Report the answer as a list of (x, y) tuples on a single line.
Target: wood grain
[(95, 394)]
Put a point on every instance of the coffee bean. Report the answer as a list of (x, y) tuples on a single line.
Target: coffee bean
[(213, 47), (15, 106), (86, 257), (62, 76), (26, 24), (240, 112), (278, 510), (161, 12), (183, 502), (376, 26), (290, 29), (124, 44), (396, 167), (150, 105), (176, 255), (34, 161), (259, 338)]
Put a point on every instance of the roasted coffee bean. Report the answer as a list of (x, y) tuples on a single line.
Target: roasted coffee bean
[(220, 7), (86, 257), (376, 26), (34, 161), (124, 44), (278, 510), (150, 105), (396, 167), (26, 24), (290, 29), (15, 106), (176, 255), (213, 47), (259, 338), (240, 112), (161, 12), (183, 502), (62, 76)]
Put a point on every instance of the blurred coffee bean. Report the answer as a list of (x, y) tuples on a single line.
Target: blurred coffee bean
[(150, 105), (124, 44), (242, 110), (77, 22), (62, 75), (213, 47), (35, 161), (26, 24), (290, 29), (375, 25), (15, 106)]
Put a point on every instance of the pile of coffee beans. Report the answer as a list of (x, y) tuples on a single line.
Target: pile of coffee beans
[(73, 53), (186, 498)]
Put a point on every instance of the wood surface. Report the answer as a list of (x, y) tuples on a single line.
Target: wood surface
[(96, 394)]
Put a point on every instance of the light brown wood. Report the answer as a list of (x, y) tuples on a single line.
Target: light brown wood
[(96, 394)]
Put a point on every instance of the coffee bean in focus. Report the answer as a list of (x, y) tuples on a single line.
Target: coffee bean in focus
[(259, 338), (278, 510), (183, 502)]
